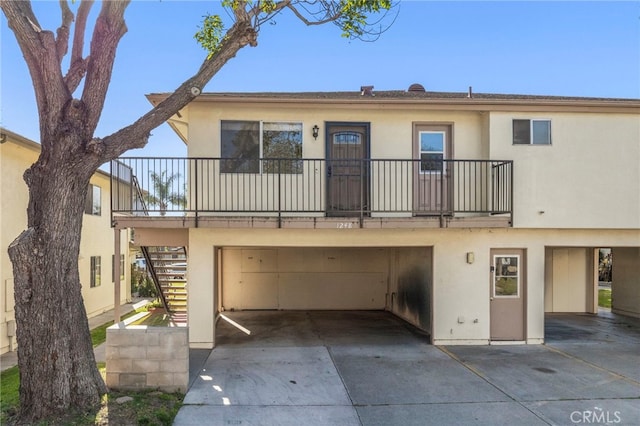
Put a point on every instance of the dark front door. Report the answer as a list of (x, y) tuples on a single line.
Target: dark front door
[(347, 169)]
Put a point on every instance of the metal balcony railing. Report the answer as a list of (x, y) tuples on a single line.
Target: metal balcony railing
[(310, 187)]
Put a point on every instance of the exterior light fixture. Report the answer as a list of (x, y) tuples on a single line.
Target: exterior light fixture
[(315, 130)]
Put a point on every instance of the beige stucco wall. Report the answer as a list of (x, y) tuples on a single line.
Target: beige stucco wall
[(570, 284), (391, 131), (626, 281), (587, 178), (460, 289), (14, 159), (97, 238), (391, 137)]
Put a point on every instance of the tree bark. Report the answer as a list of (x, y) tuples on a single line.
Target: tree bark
[(55, 353)]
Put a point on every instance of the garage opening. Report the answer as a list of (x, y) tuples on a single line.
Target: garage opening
[(574, 278), (398, 280), (571, 280)]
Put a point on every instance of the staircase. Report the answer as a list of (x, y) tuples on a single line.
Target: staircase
[(168, 267)]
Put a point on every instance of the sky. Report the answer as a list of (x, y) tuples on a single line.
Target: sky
[(544, 48)]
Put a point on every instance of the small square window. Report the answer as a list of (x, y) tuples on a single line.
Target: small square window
[(532, 132)]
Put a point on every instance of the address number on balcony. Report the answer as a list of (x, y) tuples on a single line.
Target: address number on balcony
[(344, 225)]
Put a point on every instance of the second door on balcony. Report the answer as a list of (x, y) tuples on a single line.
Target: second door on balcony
[(347, 169), (432, 173)]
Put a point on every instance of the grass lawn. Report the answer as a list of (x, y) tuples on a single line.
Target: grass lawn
[(147, 407), (604, 298), (9, 384), (156, 319), (99, 334)]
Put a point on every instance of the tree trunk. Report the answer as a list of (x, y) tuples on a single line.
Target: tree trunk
[(56, 359), (55, 354)]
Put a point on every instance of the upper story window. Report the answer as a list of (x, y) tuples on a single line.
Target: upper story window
[(93, 202), (245, 143), (532, 132)]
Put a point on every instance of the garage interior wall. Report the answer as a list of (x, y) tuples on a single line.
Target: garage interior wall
[(315, 278), (411, 285), (625, 285), (569, 280)]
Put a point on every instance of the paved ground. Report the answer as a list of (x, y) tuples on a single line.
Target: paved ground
[(370, 368)]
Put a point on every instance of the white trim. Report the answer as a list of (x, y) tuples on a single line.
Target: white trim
[(493, 278), (547, 120)]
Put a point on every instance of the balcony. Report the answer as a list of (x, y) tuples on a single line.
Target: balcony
[(303, 193)]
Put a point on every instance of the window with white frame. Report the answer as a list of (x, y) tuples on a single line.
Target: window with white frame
[(531, 132), (93, 203), (95, 272), (244, 143)]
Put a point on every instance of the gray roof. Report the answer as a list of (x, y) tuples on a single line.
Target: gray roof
[(411, 95)]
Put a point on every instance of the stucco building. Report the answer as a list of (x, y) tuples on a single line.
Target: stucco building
[(468, 215), (96, 259)]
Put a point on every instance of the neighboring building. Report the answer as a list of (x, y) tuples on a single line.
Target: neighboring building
[(96, 248), (468, 215)]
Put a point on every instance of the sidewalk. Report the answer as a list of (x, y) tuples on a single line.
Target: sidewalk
[(10, 359)]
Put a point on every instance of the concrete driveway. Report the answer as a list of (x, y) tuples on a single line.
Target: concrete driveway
[(371, 368)]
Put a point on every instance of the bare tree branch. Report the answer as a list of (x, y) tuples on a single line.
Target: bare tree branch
[(78, 65), (80, 29), (330, 17), (62, 40), (108, 30), (41, 55), (135, 135)]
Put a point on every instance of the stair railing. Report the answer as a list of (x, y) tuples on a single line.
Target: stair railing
[(154, 277)]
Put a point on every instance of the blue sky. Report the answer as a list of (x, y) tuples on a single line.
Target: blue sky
[(547, 48)]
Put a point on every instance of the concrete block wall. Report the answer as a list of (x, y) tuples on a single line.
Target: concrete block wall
[(143, 357)]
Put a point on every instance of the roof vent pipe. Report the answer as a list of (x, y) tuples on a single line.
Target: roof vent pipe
[(470, 94)]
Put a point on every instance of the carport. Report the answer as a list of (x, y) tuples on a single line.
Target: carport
[(394, 279), (571, 293), (571, 280)]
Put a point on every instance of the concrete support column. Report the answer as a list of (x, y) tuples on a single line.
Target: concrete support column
[(201, 281), (535, 264), (116, 273)]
